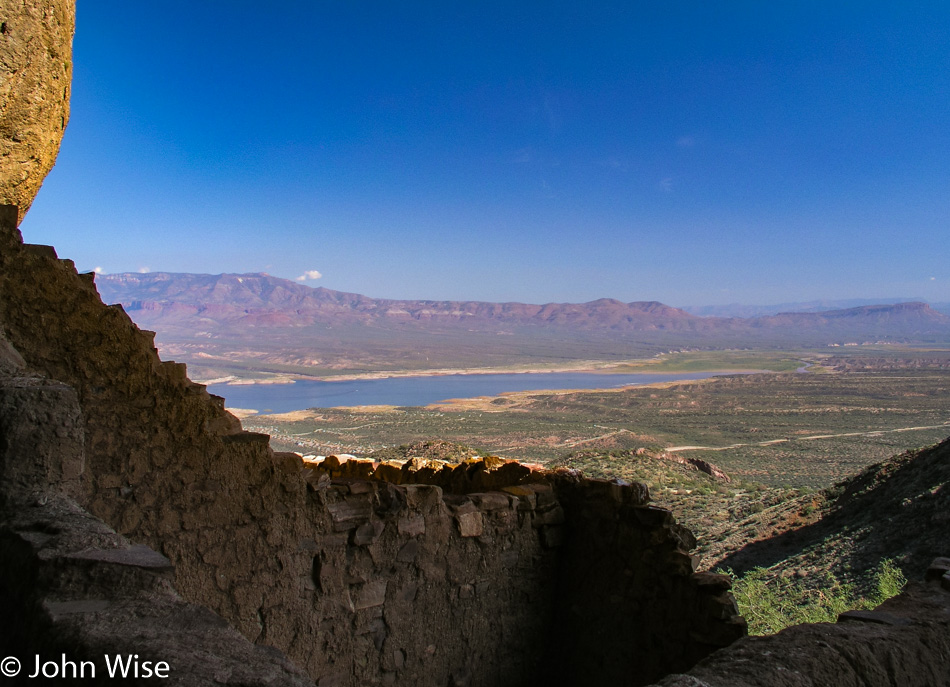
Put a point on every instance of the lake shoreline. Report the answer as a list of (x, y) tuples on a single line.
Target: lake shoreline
[(634, 366), (430, 390)]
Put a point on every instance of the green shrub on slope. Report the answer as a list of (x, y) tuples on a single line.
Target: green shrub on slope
[(771, 603)]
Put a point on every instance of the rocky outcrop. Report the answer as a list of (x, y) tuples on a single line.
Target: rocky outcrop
[(898, 508), (35, 75)]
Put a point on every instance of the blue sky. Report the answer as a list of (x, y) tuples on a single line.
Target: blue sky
[(686, 152)]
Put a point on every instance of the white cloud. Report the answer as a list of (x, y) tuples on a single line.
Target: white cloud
[(97, 270), (309, 275), (144, 270)]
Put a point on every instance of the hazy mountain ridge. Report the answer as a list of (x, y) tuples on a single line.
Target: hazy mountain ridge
[(256, 324), (262, 300), (748, 311)]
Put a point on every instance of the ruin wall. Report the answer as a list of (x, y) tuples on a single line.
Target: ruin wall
[(357, 581)]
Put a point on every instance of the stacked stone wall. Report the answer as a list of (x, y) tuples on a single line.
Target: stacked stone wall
[(74, 590), (631, 607), (358, 581)]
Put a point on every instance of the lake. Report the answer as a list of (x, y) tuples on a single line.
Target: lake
[(420, 391)]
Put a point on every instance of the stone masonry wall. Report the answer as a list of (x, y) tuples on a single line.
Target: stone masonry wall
[(122, 484), (70, 586), (630, 608), (359, 582)]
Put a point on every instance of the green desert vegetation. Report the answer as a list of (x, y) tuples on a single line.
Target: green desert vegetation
[(770, 603), (703, 361), (779, 429)]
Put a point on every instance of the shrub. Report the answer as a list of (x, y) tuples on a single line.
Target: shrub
[(889, 581), (771, 603)]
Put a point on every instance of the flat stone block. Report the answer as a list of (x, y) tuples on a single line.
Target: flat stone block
[(412, 526), (409, 551), (408, 593), (423, 497), (58, 609), (350, 512), (937, 569), (552, 516), (362, 487), (470, 524), (544, 493), (137, 556), (653, 516), (368, 532), (492, 500), (527, 498)]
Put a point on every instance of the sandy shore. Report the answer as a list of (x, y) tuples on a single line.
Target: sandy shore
[(579, 366), (632, 366), (592, 366), (484, 403)]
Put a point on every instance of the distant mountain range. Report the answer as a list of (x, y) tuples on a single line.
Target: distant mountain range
[(260, 300), (740, 310), (231, 318)]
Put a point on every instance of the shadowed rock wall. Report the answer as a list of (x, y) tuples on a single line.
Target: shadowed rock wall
[(70, 586)]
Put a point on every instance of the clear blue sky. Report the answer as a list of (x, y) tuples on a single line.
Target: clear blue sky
[(687, 152)]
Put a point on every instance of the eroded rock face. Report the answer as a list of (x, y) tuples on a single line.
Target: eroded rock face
[(35, 74)]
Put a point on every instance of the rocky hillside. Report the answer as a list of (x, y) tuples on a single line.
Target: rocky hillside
[(899, 509)]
